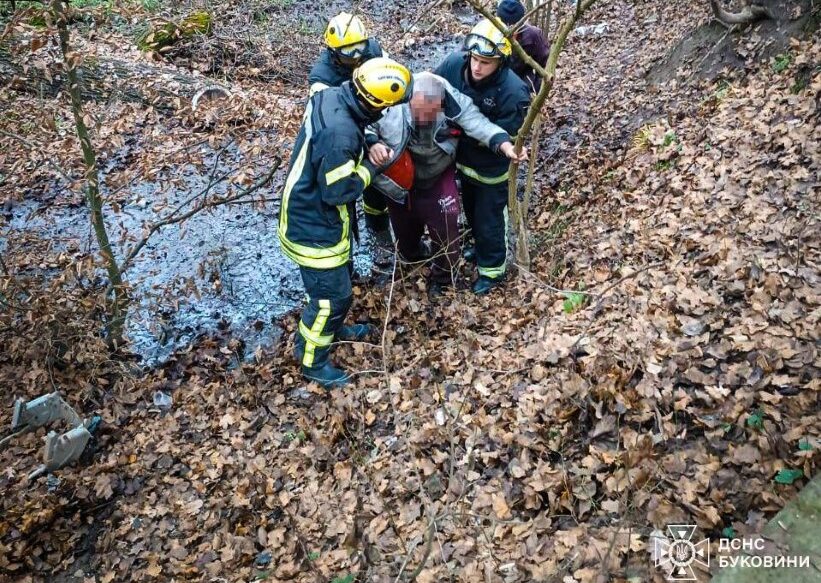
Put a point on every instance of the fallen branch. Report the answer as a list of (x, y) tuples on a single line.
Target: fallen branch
[(384, 336), (425, 555), (102, 79)]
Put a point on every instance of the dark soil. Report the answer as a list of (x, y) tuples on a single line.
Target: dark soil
[(713, 48)]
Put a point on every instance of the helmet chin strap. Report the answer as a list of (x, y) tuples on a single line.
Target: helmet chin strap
[(371, 112)]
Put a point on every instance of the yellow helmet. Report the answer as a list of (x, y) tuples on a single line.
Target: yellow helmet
[(485, 40), (345, 29), (382, 82)]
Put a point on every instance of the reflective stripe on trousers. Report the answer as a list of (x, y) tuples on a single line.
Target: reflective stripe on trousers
[(329, 299), (314, 337)]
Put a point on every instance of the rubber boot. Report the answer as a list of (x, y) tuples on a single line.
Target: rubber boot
[(326, 376), (469, 253), (483, 285)]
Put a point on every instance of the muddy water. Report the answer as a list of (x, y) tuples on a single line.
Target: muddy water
[(220, 273)]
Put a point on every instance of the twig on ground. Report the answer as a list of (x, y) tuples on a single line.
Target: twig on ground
[(384, 336), (426, 553)]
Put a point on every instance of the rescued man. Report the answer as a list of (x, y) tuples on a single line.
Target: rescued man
[(417, 142)]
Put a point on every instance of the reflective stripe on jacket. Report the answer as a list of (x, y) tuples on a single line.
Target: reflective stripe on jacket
[(326, 172)]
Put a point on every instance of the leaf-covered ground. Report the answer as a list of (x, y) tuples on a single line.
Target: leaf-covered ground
[(533, 435)]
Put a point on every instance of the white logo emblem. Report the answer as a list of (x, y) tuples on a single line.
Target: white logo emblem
[(677, 554), (448, 205)]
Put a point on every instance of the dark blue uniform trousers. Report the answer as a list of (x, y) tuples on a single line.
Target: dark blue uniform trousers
[(329, 298), (485, 209)]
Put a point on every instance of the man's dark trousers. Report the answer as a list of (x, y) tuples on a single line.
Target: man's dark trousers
[(436, 207)]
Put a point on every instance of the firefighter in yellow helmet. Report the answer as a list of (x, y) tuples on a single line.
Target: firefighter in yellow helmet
[(328, 172), (347, 46), (481, 71)]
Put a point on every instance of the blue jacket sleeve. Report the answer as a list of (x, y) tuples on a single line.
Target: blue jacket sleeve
[(342, 173), (317, 71), (373, 50), (448, 69)]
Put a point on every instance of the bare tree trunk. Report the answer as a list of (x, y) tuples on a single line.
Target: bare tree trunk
[(117, 307), (531, 167)]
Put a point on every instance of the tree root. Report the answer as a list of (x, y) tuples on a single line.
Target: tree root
[(747, 15)]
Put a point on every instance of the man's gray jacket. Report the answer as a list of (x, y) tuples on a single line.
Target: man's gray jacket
[(459, 114)]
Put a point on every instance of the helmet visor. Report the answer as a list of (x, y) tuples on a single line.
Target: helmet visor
[(354, 51), (479, 45)]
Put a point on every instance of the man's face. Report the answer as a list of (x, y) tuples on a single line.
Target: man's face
[(425, 108), (482, 67)]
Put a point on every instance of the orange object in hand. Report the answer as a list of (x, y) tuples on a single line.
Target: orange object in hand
[(401, 171)]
